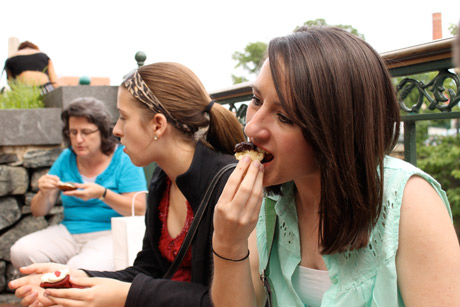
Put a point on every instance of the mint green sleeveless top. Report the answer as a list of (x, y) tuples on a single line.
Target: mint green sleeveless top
[(364, 277)]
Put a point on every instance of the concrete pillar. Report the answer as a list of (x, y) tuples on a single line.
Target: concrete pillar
[(13, 44)]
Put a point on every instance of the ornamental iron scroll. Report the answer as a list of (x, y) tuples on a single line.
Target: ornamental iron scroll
[(435, 86), (240, 112)]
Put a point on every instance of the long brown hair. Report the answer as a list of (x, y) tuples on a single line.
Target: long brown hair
[(183, 95), (339, 92)]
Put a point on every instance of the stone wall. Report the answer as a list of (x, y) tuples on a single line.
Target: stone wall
[(20, 169), (29, 144)]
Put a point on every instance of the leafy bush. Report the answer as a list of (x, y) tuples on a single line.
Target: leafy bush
[(21, 96), (443, 163)]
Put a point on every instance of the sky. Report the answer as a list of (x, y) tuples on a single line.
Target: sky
[(99, 38)]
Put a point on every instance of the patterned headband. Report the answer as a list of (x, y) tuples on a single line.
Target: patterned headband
[(137, 87)]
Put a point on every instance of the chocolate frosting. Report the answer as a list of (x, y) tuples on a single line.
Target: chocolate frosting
[(243, 146)]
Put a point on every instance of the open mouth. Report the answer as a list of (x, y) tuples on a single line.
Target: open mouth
[(267, 157), (256, 153)]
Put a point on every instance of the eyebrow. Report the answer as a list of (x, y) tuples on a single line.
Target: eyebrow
[(257, 91)]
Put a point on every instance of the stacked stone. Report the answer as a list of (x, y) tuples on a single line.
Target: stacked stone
[(18, 184)]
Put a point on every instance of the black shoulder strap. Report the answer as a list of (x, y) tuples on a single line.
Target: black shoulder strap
[(196, 221)]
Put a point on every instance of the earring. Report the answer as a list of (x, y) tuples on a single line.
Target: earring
[(155, 138)]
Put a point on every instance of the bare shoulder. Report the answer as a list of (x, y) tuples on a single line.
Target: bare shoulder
[(421, 198), (428, 257), (424, 215)]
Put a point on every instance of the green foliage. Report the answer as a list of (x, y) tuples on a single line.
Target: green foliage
[(320, 22), (443, 163), (453, 29), (251, 59), (239, 79), (21, 96)]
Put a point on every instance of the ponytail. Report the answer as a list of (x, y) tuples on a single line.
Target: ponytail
[(225, 131)]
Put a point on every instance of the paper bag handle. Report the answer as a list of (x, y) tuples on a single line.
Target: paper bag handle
[(134, 198)]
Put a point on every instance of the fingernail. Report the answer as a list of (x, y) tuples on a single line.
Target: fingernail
[(256, 163), (246, 159)]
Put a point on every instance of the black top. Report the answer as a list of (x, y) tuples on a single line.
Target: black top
[(30, 62), (147, 288)]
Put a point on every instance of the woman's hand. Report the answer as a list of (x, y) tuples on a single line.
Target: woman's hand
[(48, 183), (97, 292), (235, 218), (45, 199), (237, 210), (86, 191), (28, 287)]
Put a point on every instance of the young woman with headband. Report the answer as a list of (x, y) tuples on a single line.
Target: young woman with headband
[(167, 117)]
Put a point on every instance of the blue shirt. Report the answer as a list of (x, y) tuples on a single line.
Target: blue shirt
[(121, 176), (363, 277)]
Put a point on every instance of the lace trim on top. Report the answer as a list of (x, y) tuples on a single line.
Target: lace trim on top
[(310, 285), (169, 247)]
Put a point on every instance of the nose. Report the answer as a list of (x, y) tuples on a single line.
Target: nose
[(79, 137), (117, 130), (256, 125)]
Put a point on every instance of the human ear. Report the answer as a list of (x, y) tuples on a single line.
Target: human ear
[(158, 124)]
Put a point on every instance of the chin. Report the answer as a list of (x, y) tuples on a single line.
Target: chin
[(137, 162)]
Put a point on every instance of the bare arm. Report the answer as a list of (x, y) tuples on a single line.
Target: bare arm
[(118, 202), (254, 262), (235, 217), (428, 258), (44, 200)]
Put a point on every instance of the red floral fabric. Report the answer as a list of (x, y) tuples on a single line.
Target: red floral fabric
[(169, 247)]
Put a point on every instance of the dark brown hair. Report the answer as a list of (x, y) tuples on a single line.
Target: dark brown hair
[(95, 112), (27, 44), (339, 92), (181, 92)]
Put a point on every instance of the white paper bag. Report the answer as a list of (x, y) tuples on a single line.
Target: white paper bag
[(127, 235)]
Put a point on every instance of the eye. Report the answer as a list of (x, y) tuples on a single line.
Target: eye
[(282, 118), (255, 101)]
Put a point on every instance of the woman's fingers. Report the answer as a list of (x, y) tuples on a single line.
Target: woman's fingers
[(235, 214), (29, 299), (83, 282), (235, 179), (23, 291), (66, 297), (255, 200), (250, 189), (39, 268)]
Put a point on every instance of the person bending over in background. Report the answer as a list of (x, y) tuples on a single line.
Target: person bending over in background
[(30, 66)]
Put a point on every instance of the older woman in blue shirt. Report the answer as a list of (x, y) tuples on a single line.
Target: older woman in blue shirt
[(106, 181)]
